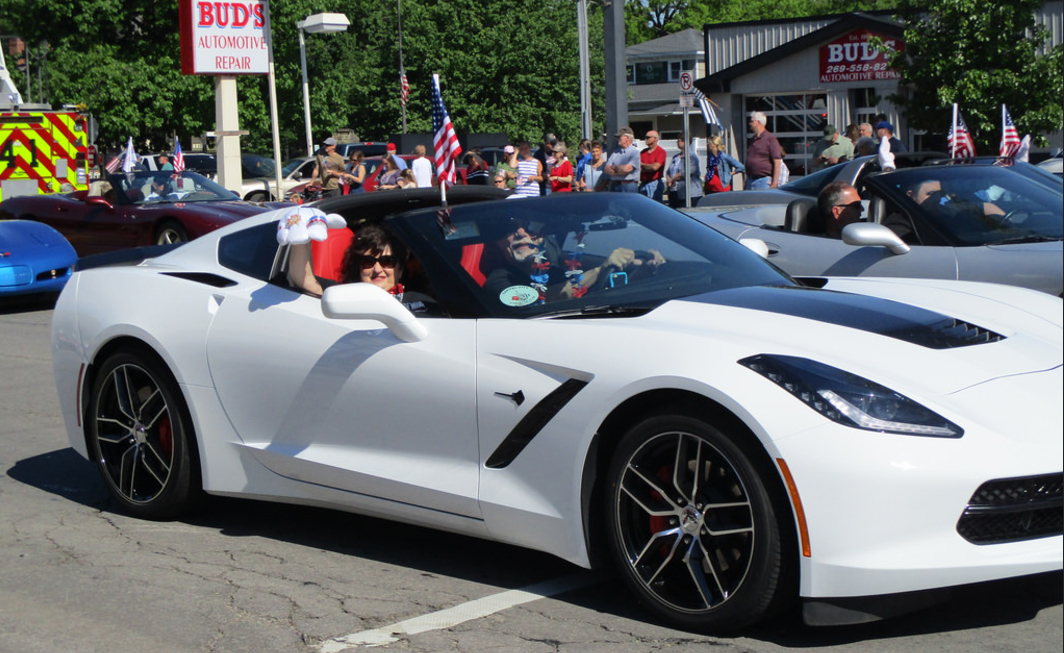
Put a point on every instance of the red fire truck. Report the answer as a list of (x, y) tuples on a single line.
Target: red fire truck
[(44, 151)]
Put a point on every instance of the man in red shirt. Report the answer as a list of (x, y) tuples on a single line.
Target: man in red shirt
[(652, 166)]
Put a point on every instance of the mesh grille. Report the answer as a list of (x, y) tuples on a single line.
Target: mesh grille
[(1014, 509)]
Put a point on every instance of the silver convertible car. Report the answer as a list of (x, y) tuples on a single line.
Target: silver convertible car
[(972, 220)]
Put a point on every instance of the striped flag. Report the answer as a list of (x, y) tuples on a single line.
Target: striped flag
[(444, 140), (707, 108), (960, 141), (114, 164), (1010, 138), (179, 157), (129, 163), (404, 88)]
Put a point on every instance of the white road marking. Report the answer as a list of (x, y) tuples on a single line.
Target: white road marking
[(461, 613)]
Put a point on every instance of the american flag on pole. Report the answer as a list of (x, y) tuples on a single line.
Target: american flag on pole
[(179, 157), (1010, 138), (960, 141), (707, 108), (404, 88), (444, 140)]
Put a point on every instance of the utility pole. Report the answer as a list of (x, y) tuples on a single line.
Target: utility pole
[(616, 75)]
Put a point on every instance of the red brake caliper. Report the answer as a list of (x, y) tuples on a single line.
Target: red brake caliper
[(166, 436), (657, 522)]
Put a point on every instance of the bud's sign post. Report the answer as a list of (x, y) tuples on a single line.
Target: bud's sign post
[(224, 38)]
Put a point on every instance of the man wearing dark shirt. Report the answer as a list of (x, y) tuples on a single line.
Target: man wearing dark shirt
[(763, 155), (534, 270), (884, 128)]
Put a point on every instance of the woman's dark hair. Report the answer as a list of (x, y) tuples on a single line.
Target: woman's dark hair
[(369, 239)]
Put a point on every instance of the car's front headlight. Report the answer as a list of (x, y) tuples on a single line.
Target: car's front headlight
[(850, 399)]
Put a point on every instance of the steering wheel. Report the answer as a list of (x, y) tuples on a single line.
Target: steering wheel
[(1010, 215), (608, 271)]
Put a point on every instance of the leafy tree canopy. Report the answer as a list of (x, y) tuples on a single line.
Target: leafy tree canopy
[(650, 19), (979, 54), (503, 68)]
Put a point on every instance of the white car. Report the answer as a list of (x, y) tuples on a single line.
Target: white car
[(732, 440), (260, 182)]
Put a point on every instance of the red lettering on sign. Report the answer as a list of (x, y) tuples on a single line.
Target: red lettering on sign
[(224, 14), (206, 14)]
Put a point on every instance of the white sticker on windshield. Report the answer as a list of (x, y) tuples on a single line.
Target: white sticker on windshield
[(519, 296)]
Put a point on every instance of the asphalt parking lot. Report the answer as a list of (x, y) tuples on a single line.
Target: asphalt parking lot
[(248, 576)]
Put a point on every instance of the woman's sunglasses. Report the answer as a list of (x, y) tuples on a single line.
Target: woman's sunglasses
[(365, 261)]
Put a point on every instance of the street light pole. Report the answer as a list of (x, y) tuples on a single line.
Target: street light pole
[(316, 24), (585, 74), (306, 88)]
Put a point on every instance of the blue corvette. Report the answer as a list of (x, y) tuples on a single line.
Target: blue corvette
[(34, 258)]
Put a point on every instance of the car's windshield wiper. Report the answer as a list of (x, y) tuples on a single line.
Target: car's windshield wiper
[(1029, 238), (600, 310)]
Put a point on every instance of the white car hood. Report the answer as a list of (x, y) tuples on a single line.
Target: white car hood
[(907, 346)]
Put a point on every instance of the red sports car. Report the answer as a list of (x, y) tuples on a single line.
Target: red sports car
[(135, 209)]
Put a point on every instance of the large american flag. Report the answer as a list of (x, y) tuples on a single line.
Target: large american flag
[(179, 157), (444, 140), (404, 88), (1010, 138), (960, 141)]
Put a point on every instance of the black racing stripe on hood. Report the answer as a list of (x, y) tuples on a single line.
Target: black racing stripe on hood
[(872, 314)]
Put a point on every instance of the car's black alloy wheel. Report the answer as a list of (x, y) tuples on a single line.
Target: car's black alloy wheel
[(139, 436), (692, 526)]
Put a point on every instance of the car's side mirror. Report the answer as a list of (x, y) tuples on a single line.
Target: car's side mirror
[(872, 234), (297, 175), (757, 245), (365, 301)]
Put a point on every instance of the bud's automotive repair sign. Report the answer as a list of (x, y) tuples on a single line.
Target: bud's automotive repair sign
[(852, 58), (224, 38)]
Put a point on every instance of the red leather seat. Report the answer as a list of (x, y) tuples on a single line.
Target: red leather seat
[(329, 254), (470, 261)]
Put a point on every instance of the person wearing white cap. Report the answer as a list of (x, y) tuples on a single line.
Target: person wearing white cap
[(764, 157)]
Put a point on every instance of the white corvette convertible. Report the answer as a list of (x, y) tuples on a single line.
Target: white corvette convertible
[(598, 377)]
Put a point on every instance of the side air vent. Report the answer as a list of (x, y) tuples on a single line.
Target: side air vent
[(204, 278)]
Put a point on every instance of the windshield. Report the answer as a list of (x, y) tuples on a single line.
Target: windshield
[(980, 204), (151, 187), (586, 253), (811, 184), (256, 165)]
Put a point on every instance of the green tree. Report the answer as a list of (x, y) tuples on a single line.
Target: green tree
[(505, 66), (979, 54), (121, 59), (650, 19)]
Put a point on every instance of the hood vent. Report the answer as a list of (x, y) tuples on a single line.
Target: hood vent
[(882, 316)]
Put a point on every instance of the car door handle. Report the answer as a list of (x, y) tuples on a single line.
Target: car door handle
[(517, 397)]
